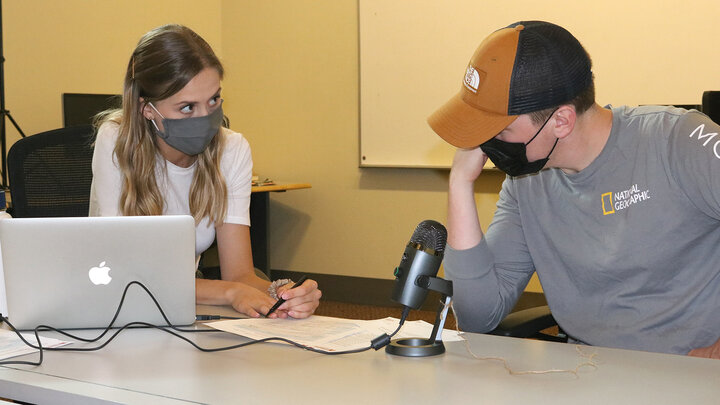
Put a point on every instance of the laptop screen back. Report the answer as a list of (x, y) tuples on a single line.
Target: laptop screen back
[(71, 272)]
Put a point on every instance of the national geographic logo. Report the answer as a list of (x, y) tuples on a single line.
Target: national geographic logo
[(619, 200)]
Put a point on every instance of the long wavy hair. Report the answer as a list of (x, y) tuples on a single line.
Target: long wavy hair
[(163, 62)]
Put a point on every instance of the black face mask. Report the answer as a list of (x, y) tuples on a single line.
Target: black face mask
[(511, 157)]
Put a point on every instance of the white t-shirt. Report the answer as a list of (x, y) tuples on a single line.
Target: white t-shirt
[(235, 166)]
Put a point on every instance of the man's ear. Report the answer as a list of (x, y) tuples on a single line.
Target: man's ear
[(146, 110), (564, 121)]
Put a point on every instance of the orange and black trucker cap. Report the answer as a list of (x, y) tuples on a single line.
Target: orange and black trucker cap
[(525, 67)]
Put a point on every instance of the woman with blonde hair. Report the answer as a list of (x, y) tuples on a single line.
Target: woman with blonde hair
[(166, 152)]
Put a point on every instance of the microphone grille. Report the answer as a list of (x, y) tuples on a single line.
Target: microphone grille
[(430, 234)]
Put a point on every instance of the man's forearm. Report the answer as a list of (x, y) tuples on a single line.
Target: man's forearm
[(464, 229)]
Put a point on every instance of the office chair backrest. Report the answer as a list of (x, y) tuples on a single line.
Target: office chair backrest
[(711, 105), (50, 173)]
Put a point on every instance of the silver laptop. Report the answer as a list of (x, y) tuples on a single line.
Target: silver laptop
[(71, 272)]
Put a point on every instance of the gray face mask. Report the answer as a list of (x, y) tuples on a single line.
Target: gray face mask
[(190, 135)]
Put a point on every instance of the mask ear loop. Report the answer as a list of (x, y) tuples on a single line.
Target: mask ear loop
[(155, 125), (553, 148), (541, 128), (152, 120)]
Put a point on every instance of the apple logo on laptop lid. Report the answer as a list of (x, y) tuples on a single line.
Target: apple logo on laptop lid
[(100, 274)]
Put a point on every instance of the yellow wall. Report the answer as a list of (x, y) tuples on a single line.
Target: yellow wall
[(292, 68), (293, 72), (81, 46), (291, 87)]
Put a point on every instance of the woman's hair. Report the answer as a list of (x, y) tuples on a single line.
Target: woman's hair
[(163, 62)]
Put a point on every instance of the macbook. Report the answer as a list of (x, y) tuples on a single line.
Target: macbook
[(70, 273)]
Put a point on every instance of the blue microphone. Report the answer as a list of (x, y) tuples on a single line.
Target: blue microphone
[(420, 261)]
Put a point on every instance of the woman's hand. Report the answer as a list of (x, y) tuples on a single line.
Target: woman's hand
[(250, 301), (300, 302), (247, 292)]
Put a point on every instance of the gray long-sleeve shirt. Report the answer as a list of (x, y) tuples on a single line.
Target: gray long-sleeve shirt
[(627, 250)]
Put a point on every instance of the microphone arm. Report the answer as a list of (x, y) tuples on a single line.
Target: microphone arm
[(445, 288), (438, 284)]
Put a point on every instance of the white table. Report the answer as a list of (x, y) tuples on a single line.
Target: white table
[(151, 367)]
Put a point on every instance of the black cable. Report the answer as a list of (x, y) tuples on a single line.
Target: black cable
[(214, 317), (112, 321), (377, 343), (31, 363)]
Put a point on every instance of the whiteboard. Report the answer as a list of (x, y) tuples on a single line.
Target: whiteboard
[(413, 55)]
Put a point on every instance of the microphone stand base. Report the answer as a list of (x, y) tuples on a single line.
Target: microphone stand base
[(415, 347)]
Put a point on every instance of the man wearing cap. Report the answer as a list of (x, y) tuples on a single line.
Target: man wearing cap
[(623, 228)]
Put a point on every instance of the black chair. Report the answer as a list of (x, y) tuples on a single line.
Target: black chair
[(50, 173), (529, 323), (711, 105)]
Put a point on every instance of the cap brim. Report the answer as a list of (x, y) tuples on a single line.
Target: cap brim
[(464, 126)]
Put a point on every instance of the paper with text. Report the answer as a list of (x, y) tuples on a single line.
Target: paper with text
[(328, 333), (11, 345)]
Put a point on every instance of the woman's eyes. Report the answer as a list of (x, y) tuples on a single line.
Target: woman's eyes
[(188, 108)]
